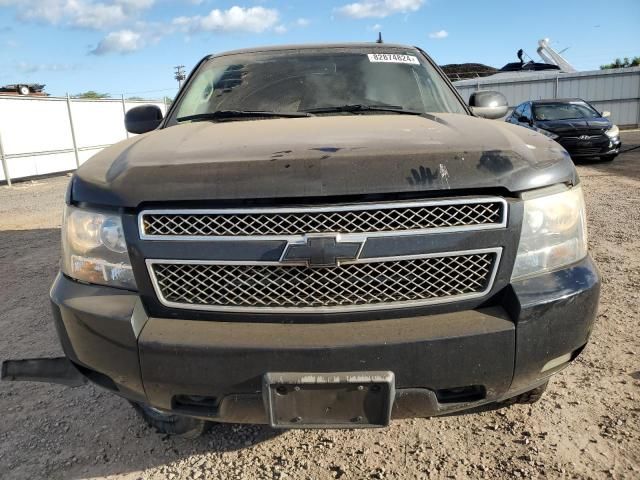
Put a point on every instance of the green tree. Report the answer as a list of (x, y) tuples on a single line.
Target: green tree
[(624, 63), (136, 99), (92, 94), (168, 101)]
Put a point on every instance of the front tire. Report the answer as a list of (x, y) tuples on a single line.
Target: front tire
[(169, 423)]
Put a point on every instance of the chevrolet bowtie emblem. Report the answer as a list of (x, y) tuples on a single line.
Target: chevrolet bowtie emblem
[(321, 251)]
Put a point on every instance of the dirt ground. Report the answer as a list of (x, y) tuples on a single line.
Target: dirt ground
[(587, 426)]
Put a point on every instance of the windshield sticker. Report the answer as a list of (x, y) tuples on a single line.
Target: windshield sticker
[(393, 58)]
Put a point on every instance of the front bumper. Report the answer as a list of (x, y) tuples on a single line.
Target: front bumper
[(442, 363), (609, 146)]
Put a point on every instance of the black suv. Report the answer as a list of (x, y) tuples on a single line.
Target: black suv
[(574, 124), (321, 236)]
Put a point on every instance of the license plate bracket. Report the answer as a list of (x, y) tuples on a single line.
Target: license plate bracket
[(329, 400)]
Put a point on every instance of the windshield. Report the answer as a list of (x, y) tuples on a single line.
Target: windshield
[(564, 111), (303, 80)]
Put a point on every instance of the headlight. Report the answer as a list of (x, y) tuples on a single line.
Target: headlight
[(546, 133), (613, 132), (554, 232), (94, 249)]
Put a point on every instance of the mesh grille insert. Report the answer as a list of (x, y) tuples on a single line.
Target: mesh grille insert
[(379, 219), (355, 284)]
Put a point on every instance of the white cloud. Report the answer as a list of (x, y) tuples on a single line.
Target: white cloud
[(379, 8), (439, 35), (375, 28), (235, 19), (131, 5), (302, 22), (25, 67), (122, 41), (280, 29), (79, 13)]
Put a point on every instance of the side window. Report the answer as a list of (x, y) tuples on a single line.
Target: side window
[(518, 111), (526, 112)]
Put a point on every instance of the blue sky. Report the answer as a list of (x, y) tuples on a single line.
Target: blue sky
[(131, 46)]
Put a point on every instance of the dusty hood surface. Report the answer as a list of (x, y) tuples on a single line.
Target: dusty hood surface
[(321, 156)]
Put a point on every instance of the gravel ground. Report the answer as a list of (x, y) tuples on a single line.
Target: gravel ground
[(585, 427)]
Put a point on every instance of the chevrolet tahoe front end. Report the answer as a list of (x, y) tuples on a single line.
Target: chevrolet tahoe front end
[(323, 268)]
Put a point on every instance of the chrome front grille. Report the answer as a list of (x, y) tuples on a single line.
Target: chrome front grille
[(346, 219), (368, 284)]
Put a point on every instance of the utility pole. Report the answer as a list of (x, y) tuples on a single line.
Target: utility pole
[(179, 74)]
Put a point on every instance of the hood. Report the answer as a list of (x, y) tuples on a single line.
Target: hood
[(591, 126), (320, 156)]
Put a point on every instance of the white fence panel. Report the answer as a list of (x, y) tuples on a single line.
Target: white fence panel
[(41, 164), (36, 132), (34, 126), (97, 123)]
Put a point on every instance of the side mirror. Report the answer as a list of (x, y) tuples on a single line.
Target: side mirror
[(143, 119), (488, 104), (606, 114), (523, 119)]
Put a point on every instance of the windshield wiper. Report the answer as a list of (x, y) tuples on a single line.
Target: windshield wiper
[(226, 114), (355, 108)]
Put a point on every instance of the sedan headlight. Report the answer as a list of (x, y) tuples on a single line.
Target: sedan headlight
[(613, 132), (546, 133), (94, 249), (554, 232)]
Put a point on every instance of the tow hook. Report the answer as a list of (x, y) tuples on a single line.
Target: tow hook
[(50, 370)]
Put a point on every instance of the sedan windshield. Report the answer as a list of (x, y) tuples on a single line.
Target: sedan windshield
[(329, 81), (564, 111)]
